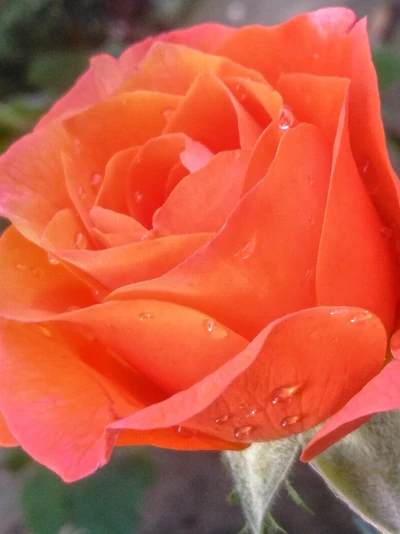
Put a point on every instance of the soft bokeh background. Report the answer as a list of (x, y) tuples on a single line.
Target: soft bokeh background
[(44, 45)]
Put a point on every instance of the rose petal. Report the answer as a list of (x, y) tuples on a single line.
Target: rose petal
[(152, 336), (66, 231), (132, 263), (32, 185), (6, 438), (381, 394), (210, 114), (295, 373), (202, 201), (45, 414), (33, 285), (353, 270), (111, 223), (119, 123), (242, 278), (313, 42)]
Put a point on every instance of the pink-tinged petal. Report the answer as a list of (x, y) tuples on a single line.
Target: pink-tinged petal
[(34, 285), (173, 69), (312, 42), (32, 187), (6, 438), (355, 267), (119, 123), (151, 336), (57, 407), (381, 394), (241, 269), (203, 200), (315, 99), (367, 136), (135, 262), (210, 114), (117, 172), (179, 438), (295, 373)]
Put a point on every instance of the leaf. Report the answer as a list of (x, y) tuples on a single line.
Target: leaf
[(108, 502), (296, 497), (257, 473), (363, 469), (387, 64)]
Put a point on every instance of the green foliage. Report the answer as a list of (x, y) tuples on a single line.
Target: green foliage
[(296, 497), (387, 64), (108, 502)]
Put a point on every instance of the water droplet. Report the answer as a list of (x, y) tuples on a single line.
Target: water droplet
[(168, 113), (20, 267), (216, 330), (366, 166), (77, 146), (138, 196), (236, 11), (338, 311), (316, 55), (286, 119), (80, 241), (95, 179), (237, 154), (290, 420), (246, 250), (283, 394), (144, 316), (252, 412), (52, 259), (81, 193), (43, 331), (242, 432), (386, 232), (242, 405), (184, 432), (36, 272), (361, 316), (310, 179), (223, 419), (311, 220)]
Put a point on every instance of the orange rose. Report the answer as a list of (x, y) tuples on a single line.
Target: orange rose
[(202, 250)]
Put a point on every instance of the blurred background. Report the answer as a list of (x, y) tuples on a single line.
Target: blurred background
[(44, 45)]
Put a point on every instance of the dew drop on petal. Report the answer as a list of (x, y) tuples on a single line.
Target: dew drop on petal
[(80, 241), (184, 432), (95, 179), (43, 331), (168, 113), (138, 197), (81, 193), (20, 267), (338, 311), (223, 419), (53, 260), (283, 394), (366, 166), (290, 420), (252, 412), (242, 432), (311, 179), (77, 146), (246, 250), (361, 316), (386, 232), (216, 330), (145, 316), (285, 119)]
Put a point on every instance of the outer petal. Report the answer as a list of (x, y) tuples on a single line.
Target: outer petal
[(6, 438), (381, 394), (152, 336), (295, 373), (56, 407), (32, 187), (313, 43), (241, 269), (357, 267), (32, 287)]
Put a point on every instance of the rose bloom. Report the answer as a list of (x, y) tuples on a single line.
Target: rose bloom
[(203, 248)]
